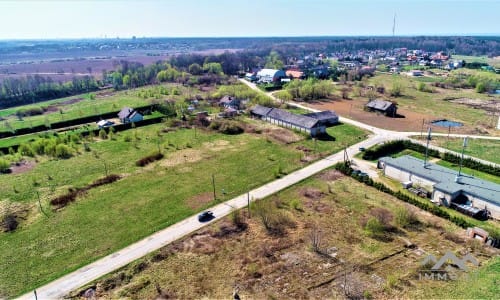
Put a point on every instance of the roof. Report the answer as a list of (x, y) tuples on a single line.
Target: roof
[(323, 115), (125, 112), (267, 72), (285, 116), (294, 73), (261, 110), (445, 178), (298, 120), (379, 104), (226, 99)]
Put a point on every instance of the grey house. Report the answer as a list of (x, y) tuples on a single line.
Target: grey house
[(286, 119), (386, 107), (327, 117), (129, 115)]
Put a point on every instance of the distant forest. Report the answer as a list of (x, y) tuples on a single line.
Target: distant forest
[(195, 68)]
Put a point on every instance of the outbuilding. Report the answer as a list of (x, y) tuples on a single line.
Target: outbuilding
[(270, 75), (386, 107), (129, 115)]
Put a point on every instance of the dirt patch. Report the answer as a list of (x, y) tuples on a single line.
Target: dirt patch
[(23, 166), (312, 193), (217, 145), (330, 175), (182, 157), (200, 200), (283, 136), (353, 109), (71, 101), (490, 106), (105, 94), (202, 243)]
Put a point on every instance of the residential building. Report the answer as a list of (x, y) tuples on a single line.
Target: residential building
[(129, 115)]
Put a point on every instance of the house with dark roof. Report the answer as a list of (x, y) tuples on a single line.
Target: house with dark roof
[(386, 107), (327, 117), (465, 193), (230, 102), (129, 115), (287, 119)]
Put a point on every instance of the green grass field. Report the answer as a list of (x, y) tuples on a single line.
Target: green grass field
[(143, 201), (483, 149), (85, 106)]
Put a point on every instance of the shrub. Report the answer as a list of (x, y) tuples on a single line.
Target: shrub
[(9, 223), (4, 165), (373, 227), (102, 134), (26, 150), (226, 126), (63, 151), (405, 217)]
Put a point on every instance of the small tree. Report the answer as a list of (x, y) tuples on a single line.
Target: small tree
[(397, 88), (373, 227), (63, 151), (102, 134), (4, 165)]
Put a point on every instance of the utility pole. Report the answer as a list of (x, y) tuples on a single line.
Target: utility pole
[(213, 185), (422, 129), (427, 147), (248, 205), (457, 179)]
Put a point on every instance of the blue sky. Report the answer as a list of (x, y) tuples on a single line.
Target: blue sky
[(208, 18)]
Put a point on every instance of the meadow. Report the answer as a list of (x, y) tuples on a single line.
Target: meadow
[(325, 250), (51, 242)]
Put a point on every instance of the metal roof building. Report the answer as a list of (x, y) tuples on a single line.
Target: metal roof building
[(287, 119), (468, 190), (270, 75)]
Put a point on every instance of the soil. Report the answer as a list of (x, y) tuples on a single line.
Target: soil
[(22, 167), (407, 121), (200, 200)]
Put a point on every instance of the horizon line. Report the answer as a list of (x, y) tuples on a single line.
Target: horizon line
[(255, 36)]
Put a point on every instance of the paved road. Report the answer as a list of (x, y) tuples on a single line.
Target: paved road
[(62, 286)]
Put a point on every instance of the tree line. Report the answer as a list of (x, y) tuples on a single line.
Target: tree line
[(31, 89)]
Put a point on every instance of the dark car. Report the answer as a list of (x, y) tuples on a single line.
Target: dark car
[(362, 149), (206, 216)]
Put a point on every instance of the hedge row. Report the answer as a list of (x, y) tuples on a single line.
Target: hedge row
[(95, 132), (436, 210), (67, 123), (472, 164), (394, 147)]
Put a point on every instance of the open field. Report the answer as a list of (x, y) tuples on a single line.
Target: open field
[(494, 61), (145, 200), (475, 110), (344, 261), (483, 149)]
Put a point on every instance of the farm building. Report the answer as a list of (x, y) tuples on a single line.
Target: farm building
[(386, 107), (129, 115), (270, 75), (286, 119), (416, 73), (327, 117), (469, 195)]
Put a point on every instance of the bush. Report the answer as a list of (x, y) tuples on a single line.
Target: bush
[(4, 165), (227, 126), (102, 134), (405, 217), (373, 227), (63, 151), (9, 223)]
